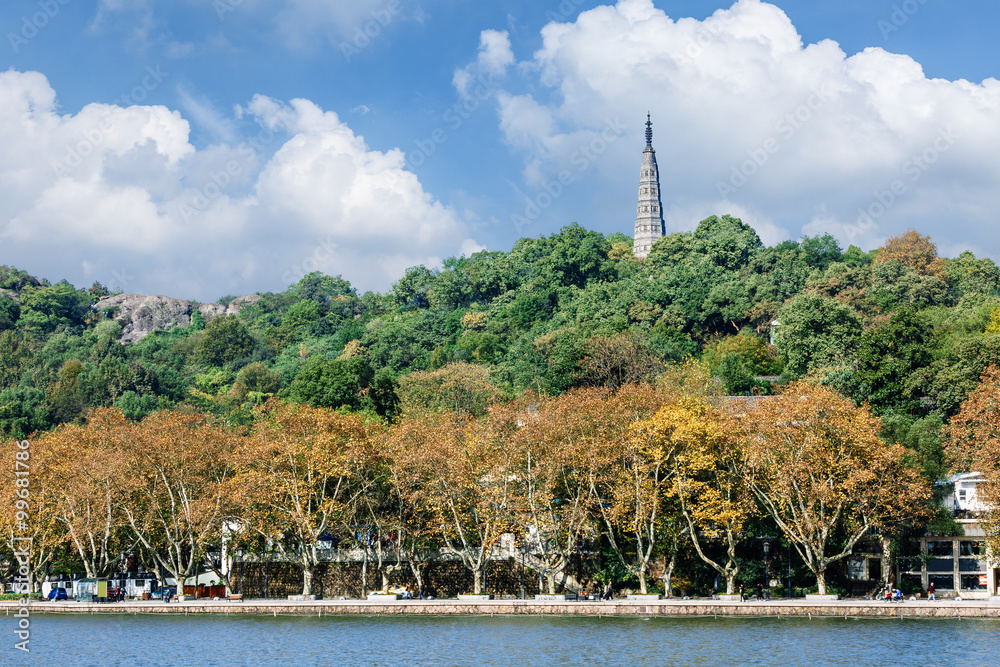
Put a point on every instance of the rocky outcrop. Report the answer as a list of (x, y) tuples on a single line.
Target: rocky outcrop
[(140, 314)]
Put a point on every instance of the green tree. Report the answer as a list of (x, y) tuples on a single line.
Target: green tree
[(46, 308), (333, 383), (225, 340), (888, 357), (817, 332)]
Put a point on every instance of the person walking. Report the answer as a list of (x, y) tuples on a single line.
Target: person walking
[(930, 592), (607, 592), (743, 593)]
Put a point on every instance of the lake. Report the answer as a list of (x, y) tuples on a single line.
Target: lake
[(168, 640)]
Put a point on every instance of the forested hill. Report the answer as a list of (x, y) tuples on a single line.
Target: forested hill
[(899, 327)]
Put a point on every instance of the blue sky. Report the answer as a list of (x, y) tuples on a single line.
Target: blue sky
[(197, 148)]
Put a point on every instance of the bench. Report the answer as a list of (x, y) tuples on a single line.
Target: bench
[(235, 597)]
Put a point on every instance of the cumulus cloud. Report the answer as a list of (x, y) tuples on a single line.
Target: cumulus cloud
[(802, 137), (495, 56), (121, 196)]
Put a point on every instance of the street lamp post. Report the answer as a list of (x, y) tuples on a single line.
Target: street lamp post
[(522, 549), (767, 579), (789, 568)]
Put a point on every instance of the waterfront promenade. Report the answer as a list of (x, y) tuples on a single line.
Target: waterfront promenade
[(618, 607)]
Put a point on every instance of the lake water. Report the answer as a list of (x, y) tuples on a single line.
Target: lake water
[(176, 641)]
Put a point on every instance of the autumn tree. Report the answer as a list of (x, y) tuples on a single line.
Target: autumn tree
[(29, 496), (295, 476), (619, 359), (459, 387), (629, 481), (817, 466), (973, 445), (914, 251), (703, 461), (173, 472), (86, 472), (556, 443), (465, 483), (409, 518)]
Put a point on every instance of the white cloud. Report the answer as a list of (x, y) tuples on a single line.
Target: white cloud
[(495, 56), (803, 138), (121, 196)]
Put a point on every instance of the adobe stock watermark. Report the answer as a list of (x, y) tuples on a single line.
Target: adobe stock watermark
[(120, 280), (321, 255), (785, 129), (32, 24), (912, 170), (366, 34), (218, 181), (223, 7), (454, 117), (21, 543), (92, 138), (581, 159), (900, 16), (712, 27)]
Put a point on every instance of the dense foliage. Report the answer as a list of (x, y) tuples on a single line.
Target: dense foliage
[(902, 333), (900, 328)]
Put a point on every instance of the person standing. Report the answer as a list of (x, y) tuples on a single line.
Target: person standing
[(743, 593), (930, 592)]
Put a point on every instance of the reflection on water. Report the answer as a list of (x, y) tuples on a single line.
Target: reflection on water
[(162, 640)]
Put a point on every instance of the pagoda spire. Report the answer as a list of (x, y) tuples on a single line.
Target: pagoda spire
[(649, 213)]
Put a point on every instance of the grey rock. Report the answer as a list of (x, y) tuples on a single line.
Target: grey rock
[(140, 314)]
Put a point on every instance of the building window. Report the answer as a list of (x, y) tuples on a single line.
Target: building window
[(941, 548), (942, 583), (973, 582), (970, 548)]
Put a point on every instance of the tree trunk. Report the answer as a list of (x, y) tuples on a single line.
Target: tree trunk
[(886, 559), (731, 581), (418, 575), (668, 575), (821, 581), (477, 581), (364, 576), (307, 578), (550, 580), (642, 579)]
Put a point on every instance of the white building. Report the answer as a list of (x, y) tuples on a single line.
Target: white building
[(958, 565)]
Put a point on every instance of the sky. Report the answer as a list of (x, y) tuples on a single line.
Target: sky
[(199, 148)]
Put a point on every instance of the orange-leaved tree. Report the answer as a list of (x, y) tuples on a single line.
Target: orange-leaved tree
[(296, 477), (29, 495), (556, 444), (464, 480), (86, 471), (973, 445), (173, 467), (817, 466), (630, 479)]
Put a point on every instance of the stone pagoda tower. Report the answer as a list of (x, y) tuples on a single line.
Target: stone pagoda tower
[(649, 212)]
